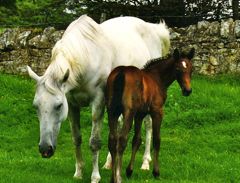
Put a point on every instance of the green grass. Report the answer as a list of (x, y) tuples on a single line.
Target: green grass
[(200, 137)]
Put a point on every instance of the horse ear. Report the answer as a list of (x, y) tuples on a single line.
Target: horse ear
[(65, 77), (32, 74), (176, 54), (191, 53)]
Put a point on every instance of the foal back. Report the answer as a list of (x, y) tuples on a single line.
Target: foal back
[(131, 88)]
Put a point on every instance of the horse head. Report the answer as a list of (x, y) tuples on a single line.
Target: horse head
[(52, 108), (183, 68)]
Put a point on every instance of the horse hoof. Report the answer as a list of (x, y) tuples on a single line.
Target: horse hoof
[(77, 175), (95, 179), (129, 172), (156, 174), (145, 166), (107, 166)]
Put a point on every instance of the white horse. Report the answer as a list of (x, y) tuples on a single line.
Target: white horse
[(80, 63)]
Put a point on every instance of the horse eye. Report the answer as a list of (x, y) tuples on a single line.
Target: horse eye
[(58, 107)]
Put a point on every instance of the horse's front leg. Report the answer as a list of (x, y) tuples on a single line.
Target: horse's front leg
[(147, 154), (74, 118), (95, 139)]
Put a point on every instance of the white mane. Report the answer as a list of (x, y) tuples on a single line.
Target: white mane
[(73, 50)]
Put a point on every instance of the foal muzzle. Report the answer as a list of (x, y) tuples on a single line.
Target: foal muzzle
[(186, 92)]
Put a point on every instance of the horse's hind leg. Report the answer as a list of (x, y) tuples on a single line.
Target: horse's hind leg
[(147, 154), (95, 139), (74, 117), (136, 142)]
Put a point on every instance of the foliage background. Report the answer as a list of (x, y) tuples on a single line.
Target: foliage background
[(59, 13)]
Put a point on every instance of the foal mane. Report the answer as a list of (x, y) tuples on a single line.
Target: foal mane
[(156, 61)]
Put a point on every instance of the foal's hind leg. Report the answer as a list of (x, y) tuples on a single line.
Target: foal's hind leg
[(122, 141), (112, 142), (108, 163), (74, 117), (136, 142), (95, 139), (156, 125), (147, 154)]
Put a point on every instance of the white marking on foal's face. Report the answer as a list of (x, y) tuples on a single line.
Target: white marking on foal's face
[(184, 64)]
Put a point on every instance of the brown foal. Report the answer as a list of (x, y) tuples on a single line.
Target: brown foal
[(136, 93)]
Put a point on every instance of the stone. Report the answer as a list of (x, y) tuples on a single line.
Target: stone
[(237, 28), (35, 42), (213, 61), (203, 25), (214, 29), (44, 42), (8, 39), (220, 45), (23, 37), (226, 28), (174, 35), (49, 31)]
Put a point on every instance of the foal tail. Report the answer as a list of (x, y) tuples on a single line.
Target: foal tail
[(117, 92)]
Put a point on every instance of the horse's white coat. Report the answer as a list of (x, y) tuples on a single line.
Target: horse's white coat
[(88, 52)]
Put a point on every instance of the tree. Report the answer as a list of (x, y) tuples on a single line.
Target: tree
[(235, 6)]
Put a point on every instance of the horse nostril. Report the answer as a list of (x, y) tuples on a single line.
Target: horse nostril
[(46, 151)]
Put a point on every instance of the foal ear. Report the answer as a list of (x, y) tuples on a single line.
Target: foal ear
[(32, 74), (191, 53), (176, 54), (65, 77)]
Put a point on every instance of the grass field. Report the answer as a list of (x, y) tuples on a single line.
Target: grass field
[(200, 137)]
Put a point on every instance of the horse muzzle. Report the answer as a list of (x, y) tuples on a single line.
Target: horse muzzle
[(46, 151), (186, 92)]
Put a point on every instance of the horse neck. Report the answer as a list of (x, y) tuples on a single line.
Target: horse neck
[(164, 72), (56, 70)]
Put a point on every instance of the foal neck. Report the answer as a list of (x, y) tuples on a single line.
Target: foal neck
[(163, 71)]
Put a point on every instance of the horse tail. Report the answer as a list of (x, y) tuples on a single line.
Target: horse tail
[(117, 93)]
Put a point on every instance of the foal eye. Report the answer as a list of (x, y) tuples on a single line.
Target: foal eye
[(58, 107)]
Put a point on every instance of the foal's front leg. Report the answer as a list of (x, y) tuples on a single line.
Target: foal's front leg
[(95, 139), (74, 117)]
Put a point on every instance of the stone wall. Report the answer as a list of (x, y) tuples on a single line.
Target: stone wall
[(217, 47), (19, 48)]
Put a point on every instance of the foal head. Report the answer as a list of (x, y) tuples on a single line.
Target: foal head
[(183, 69)]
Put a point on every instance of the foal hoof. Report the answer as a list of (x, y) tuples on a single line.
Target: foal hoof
[(156, 174), (129, 172)]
